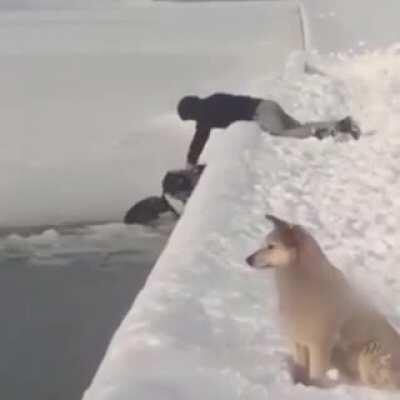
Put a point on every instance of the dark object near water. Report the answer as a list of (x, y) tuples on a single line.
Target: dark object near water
[(146, 210), (181, 183), (177, 185)]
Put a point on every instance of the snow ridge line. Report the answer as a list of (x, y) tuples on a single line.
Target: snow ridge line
[(307, 41), (305, 27)]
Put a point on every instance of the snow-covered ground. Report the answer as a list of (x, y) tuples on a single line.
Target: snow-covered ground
[(206, 326)]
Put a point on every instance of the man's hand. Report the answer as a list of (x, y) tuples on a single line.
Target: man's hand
[(190, 166), (349, 126), (322, 133)]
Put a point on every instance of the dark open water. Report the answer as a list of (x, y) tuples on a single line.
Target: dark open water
[(62, 295)]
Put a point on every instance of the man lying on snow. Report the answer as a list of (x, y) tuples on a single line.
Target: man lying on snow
[(221, 110)]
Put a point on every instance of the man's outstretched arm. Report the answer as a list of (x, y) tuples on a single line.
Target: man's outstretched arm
[(198, 142)]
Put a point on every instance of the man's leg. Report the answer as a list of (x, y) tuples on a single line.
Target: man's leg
[(272, 118)]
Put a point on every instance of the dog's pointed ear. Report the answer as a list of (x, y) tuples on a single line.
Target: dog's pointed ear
[(278, 223)]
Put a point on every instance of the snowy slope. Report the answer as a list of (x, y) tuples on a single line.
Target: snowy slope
[(205, 326), (88, 99)]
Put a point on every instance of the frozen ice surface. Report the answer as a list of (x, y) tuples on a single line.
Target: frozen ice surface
[(88, 98)]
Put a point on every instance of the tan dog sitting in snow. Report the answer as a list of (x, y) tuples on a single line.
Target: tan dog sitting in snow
[(328, 324)]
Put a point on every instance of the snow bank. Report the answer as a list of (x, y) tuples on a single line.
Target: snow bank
[(205, 326)]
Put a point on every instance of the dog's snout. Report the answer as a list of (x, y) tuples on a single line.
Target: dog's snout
[(250, 260)]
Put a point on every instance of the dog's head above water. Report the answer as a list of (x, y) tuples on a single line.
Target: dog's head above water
[(280, 248)]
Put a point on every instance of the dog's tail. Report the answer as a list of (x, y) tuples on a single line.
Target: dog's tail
[(376, 367), (368, 364)]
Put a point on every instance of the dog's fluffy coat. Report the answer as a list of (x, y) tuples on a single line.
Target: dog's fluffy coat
[(327, 322)]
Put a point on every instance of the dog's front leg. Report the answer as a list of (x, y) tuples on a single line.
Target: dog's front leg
[(301, 356), (300, 367), (319, 363)]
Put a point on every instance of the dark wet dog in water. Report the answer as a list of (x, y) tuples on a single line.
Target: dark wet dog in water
[(177, 186), (146, 210)]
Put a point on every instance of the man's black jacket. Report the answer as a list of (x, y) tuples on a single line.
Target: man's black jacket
[(219, 111)]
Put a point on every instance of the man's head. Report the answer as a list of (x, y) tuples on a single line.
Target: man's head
[(188, 107)]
